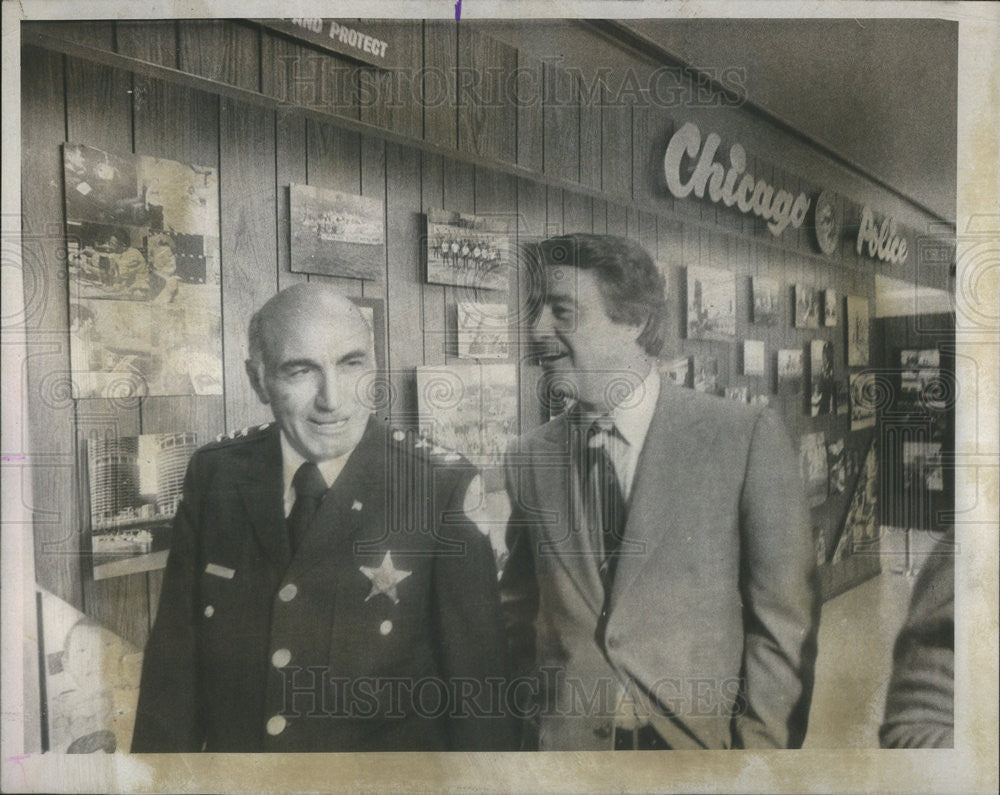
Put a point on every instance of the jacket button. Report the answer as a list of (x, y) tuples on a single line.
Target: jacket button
[(281, 658), (385, 627), (209, 611), (288, 593), (276, 725), (603, 731)]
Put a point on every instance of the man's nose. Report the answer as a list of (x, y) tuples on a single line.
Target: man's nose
[(328, 394)]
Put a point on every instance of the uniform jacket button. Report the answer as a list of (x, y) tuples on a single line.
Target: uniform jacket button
[(276, 725), (281, 658), (385, 627), (288, 593), (209, 611)]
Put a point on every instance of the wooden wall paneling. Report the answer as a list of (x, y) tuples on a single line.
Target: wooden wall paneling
[(590, 94), (617, 224), (301, 75), (487, 118), (432, 295), (439, 83), (561, 124), (651, 131), (374, 184), (181, 124), (406, 348), (99, 113), (99, 34), (247, 216), (632, 223), (47, 406), (459, 196), (528, 90), (578, 213), (290, 168), (150, 40), (391, 98), (531, 201), (221, 50), (554, 212), (599, 216), (333, 162), (647, 232), (616, 146)]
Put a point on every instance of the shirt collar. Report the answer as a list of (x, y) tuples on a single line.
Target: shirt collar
[(291, 460), (632, 420)]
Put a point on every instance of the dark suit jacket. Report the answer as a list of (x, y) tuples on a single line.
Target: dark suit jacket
[(711, 622), (256, 650)]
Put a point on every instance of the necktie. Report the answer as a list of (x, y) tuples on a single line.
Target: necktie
[(605, 501), (309, 488)]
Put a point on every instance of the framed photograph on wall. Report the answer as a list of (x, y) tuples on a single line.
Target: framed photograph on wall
[(705, 374), (789, 370), (766, 301), (470, 408), (831, 308), (468, 250), (678, 371), (373, 311), (813, 467), (711, 304), (857, 329), (822, 387), (753, 357), (483, 332), (806, 306), (142, 258), (135, 484), (336, 234)]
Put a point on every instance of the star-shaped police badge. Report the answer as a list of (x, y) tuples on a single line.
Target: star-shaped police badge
[(385, 578)]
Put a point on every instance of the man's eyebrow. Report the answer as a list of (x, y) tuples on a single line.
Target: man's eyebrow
[(356, 353), (290, 364)]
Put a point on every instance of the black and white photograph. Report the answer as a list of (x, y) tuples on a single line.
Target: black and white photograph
[(441, 389), (335, 233)]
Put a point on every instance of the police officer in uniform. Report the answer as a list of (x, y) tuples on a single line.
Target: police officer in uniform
[(325, 590)]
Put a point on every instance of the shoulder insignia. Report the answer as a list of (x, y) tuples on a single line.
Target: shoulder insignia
[(414, 442), (242, 433)]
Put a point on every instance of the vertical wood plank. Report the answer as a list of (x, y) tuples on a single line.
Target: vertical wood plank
[(616, 137), (591, 91), (300, 75), (432, 295), (48, 407), (151, 40), (389, 97), (577, 213), (221, 50), (529, 112), (487, 119), (561, 124), (99, 34), (406, 348), (289, 169), (459, 196), (616, 220), (249, 273), (439, 83)]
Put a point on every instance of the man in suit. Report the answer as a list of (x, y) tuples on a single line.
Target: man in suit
[(660, 590), (325, 590)]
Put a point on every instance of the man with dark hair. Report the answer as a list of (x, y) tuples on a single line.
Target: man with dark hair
[(661, 582), (325, 590)]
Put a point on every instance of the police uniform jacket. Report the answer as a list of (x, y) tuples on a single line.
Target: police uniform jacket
[(380, 633), (708, 633)]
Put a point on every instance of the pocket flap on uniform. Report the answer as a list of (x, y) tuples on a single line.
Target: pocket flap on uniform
[(220, 571)]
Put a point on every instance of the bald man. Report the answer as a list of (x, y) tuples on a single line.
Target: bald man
[(325, 590)]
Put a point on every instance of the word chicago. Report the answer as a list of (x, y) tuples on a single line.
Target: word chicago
[(750, 195)]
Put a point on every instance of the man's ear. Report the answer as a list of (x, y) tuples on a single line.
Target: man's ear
[(255, 372)]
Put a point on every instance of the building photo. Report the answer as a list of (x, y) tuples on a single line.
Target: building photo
[(494, 385)]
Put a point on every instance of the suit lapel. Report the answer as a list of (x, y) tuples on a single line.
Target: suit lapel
[(564, 534), (263, 500), (670, 444)]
